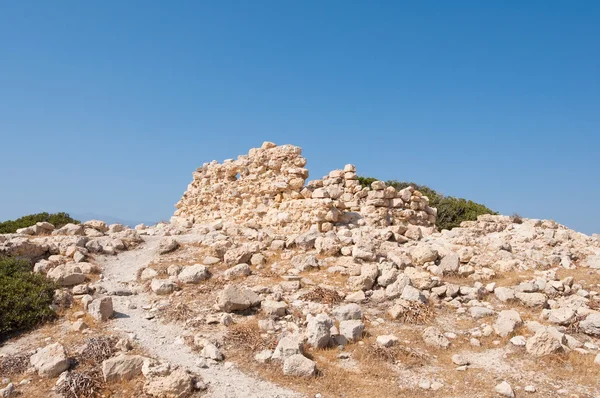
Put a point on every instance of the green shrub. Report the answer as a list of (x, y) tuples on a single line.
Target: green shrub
[(56, 219), (451, 211), (25, 297)]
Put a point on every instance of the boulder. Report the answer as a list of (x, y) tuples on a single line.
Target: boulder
[(210, 351), (147, 274), (122, 367), (562, 316), (167, 245), (101, 308), (162, 286), (178, 384), (299, 366), (352, 330), (98, 225), (532, 299), (238, 271), (433, 337), (347, 312), (274, 308), (480, 312), (507, 322), (67, 274), (193, 274), (234, 298), (318, 330), (423, 254), (50, 361), (288, 346), (591, 325), (449, 264), (542, 343)]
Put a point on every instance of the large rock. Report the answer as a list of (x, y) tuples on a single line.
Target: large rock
[(507, 322), (544, 342), (101, 308), (233, 298), (299, 366), (239, 255), (194, 274), (274, 308), (347, 312), (167, 245), (288, 346), (50, 361), (591, 325), (532, 299), (433, 337), (352, 330), (71, 230), (423, 254), (318, 330), (67, 274), (122, 367), (162, 286), (396, 289), (562, 316), (98, 225), (237, 271), (178, 384), (449, 264)]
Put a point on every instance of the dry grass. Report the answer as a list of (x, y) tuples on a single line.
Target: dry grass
[(247, 337), (179, 312), (323, 296), (585, 276), (416, 313), (14, 364), (97, 349), (80, 385)]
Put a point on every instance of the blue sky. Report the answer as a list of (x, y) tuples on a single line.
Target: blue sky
[(107, 107)]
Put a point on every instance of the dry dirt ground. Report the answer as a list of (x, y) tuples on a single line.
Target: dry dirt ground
[(359, 370)]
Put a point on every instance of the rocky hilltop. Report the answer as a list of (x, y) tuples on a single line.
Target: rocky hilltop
[(266, 285)]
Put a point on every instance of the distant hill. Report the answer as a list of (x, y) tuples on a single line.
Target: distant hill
[(110, 219)]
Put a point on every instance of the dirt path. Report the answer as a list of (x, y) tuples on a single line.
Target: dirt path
[(224, 380)]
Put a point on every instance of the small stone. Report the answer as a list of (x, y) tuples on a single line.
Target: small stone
[(460, 360), (387, 340), (519, 341), (424, 384), (504, 389), (530, 389)]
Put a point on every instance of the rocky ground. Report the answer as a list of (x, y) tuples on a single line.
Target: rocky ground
[(501, 306), (263, 285)]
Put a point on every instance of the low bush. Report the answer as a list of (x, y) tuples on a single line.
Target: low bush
[(25, 297), (56, 219), (451, 211)]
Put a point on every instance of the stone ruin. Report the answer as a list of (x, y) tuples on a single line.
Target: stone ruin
[(267, 188)]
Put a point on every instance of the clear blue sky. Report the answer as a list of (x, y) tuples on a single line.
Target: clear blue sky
[(108, 106)]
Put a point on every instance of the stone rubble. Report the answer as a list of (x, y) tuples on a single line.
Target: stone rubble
[(324, 265)]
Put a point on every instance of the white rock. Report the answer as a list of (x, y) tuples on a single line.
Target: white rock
[(300, 366), (504, 389), (50, 361), (122, 367)]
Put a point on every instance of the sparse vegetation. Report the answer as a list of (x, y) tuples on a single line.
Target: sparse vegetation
[(56, 219), (14, 364), (451, 211), (98, 349), (25, 297), (80, 385)]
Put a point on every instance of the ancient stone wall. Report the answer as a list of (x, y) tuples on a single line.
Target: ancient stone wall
[(267, 188)]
